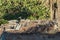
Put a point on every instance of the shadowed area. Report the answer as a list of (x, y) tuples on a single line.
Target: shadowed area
[(31, 36)]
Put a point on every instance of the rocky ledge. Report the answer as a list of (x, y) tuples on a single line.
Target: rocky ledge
[(31, 26)]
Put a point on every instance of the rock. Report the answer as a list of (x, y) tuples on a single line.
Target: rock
[(32, 26)]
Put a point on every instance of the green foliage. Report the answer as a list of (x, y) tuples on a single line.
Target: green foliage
[(26, 9), (2, 21)]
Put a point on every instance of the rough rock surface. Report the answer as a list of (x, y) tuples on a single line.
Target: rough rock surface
[(31, 30), (31, 26)]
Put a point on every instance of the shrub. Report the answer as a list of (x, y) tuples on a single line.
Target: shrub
[(26, 9), (2, 21)]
